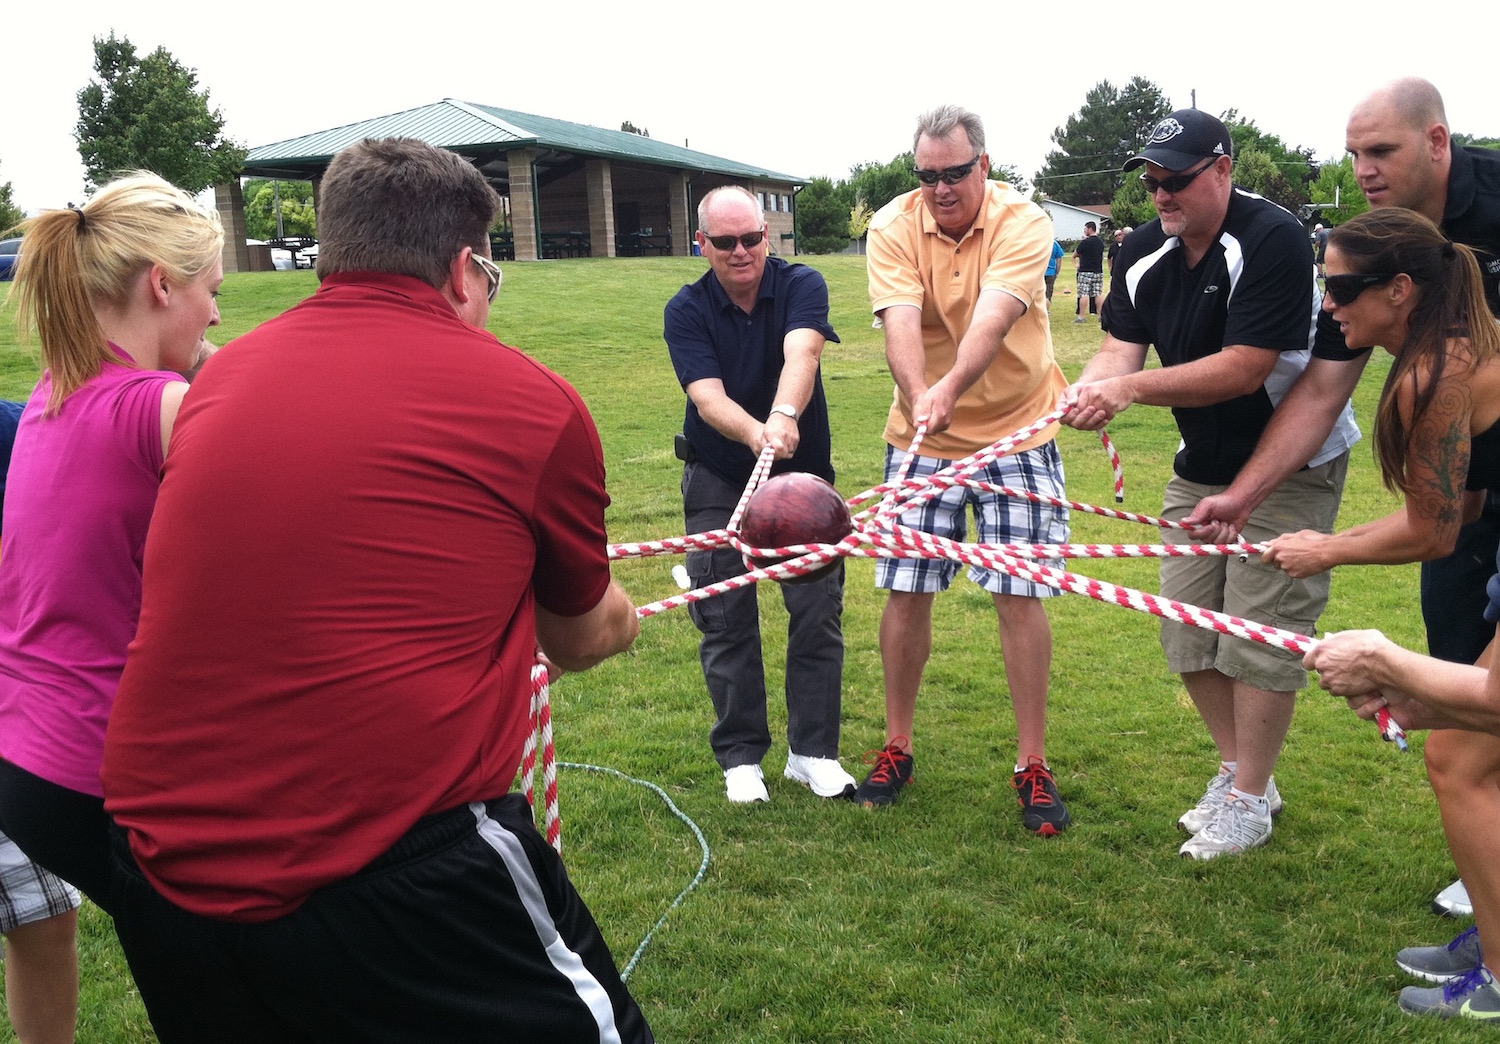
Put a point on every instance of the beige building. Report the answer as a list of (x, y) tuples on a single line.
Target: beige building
[(570, 190)]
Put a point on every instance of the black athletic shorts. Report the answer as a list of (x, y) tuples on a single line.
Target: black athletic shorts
[(468, 929)]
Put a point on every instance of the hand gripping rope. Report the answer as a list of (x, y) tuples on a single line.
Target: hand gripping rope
[(877, 534)]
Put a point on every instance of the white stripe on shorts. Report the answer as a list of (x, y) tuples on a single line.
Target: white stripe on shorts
[(566, 961)]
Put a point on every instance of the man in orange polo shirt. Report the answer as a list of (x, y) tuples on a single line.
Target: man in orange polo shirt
[(956, 274)]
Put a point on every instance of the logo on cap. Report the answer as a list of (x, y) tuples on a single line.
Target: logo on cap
[(1166, 130)]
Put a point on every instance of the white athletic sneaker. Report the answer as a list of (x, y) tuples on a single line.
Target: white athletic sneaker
[(1453, 901), (1197, 817), (825, 777), (1233, 829), (745, 784)]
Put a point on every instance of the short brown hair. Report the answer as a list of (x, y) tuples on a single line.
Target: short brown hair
[(402, 206)]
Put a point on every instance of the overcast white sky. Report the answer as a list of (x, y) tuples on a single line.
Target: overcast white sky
[(809, 88)]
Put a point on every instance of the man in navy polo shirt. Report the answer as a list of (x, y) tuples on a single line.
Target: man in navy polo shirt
[(1221, 282), (745, 341)]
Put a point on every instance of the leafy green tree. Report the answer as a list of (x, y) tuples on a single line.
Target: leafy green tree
[(859, 219), (10, 214), (1279, 173), (1132, 206), (879, 183), (1460, 138), (1007, 173), (148, 113), (1256, 171), (297, 215), (1096, 141), (823, 217), (1336, 181)]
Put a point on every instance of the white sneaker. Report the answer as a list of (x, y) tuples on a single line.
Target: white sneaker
[(1453, 901), (745, 784), (824, 776), (1233, 829), (1197, 817)]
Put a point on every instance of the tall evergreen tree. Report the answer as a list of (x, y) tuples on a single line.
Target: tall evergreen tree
[(148, 113), (1097, 140), (823, 217)]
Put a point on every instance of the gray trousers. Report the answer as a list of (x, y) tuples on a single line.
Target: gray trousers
[(730, 647)]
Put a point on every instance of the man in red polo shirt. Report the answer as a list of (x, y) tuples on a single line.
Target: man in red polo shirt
[(372, 516)]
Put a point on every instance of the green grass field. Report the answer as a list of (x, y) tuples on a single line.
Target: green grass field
[(941, 919)]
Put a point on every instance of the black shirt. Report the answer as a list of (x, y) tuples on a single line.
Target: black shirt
[(1253, 287), (1090, 254)]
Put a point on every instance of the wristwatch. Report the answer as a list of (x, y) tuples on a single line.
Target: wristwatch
[(785, 408)]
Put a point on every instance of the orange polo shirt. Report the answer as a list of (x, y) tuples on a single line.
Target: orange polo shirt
[(913, 262)]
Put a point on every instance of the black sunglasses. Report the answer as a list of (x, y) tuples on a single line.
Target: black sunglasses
[(750, 240), (948, 176), (1345, 289), (1174, 184), (491, 272)]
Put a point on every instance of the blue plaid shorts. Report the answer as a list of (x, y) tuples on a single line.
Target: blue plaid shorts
[(1001, 520)]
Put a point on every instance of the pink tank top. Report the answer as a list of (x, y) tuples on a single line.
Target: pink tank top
[(79, 496)]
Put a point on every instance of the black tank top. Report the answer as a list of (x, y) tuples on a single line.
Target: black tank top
[(1484, 460)]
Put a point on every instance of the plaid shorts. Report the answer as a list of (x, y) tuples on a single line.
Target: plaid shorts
[(27, 892), (1090, 284), (1001, 520)]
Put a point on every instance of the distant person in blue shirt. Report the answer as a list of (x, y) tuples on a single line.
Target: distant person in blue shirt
[(1052, 264)]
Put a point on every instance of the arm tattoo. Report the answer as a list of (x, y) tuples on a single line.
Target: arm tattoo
[(1444, 454)]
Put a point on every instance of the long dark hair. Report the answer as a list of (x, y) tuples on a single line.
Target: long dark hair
[(1450, 304)]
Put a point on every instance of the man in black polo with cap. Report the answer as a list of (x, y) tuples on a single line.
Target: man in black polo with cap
[(1221, 282)]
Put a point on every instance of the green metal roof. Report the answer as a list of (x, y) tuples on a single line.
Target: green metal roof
[(469, 128)]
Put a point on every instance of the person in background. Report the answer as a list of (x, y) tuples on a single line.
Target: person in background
[(1089, 255)]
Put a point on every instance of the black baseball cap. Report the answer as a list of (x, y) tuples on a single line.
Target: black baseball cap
[(1182, 139)]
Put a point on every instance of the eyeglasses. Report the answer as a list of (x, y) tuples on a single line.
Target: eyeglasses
[(1345, 289), (750, 240), (491, 272), (1174, 184), (948, 175)]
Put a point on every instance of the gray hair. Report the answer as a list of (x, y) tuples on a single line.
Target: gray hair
[(703, 203), (944, 120)]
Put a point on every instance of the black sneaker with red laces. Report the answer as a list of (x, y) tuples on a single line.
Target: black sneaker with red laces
[(1042, 810), (892, 771)]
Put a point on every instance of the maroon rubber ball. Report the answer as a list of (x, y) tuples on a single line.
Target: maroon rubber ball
[(795, 508)]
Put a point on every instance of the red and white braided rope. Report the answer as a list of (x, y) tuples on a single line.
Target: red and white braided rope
[(541, 734), (877, 535)]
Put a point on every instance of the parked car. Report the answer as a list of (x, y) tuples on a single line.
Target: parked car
[(10, 256)]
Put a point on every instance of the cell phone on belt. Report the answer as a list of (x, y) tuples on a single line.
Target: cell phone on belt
[(683, 449)]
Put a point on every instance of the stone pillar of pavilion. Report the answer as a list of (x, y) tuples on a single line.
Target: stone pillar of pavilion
[(679, 214), (601, 197), (230, 202), (523, 203)]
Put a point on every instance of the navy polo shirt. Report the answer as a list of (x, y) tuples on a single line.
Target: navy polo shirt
[(708, 336)]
